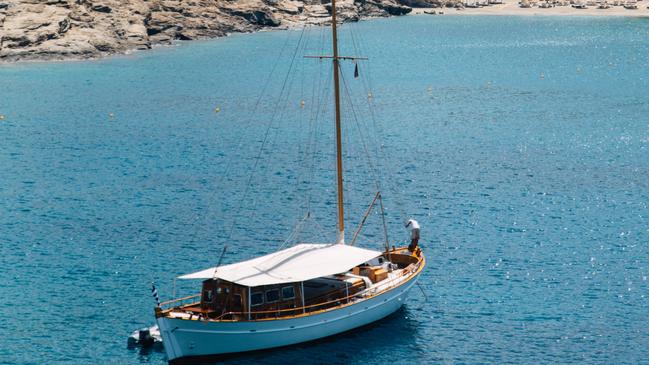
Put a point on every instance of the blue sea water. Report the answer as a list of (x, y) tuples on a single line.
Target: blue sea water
[(521, 144)]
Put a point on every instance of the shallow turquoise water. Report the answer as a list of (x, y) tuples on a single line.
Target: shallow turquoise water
[(520, 144)]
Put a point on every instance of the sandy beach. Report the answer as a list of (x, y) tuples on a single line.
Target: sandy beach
[(512, 7)]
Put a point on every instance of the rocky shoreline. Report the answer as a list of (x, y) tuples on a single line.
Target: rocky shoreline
[(84, 29)]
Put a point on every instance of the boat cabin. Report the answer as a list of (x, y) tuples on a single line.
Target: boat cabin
[(225, 300)]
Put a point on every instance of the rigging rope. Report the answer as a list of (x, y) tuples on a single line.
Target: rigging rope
[(366, 79), (265, 138), (229, 162)]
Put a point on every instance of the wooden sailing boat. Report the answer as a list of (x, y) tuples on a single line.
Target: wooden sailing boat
[(302, 293)]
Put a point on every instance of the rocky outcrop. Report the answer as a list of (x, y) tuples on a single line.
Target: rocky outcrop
[(77, 29), (60, 29)]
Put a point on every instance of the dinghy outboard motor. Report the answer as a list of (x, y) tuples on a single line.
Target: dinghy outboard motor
[(145, 337), (413, 226)]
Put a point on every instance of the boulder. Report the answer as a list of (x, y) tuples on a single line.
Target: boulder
[(420, 3), (257, 17), (27, 25), (391, 7), (289, 7), (101, 8)]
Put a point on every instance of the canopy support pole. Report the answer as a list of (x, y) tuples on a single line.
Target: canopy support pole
[(347, 291), (302, 295), (249, 303)]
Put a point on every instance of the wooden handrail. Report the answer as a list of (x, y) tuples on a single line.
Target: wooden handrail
[(179, 300)]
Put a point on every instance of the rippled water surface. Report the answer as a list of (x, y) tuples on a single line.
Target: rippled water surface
[(520, 144)]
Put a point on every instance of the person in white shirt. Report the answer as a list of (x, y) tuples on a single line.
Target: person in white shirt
[(413, 226)]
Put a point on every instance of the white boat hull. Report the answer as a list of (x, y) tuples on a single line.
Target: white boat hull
[(184, 339)]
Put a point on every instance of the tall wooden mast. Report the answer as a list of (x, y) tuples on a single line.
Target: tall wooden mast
[(340, 238)]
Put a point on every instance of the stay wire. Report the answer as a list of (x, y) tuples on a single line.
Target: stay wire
[(283, 107), (356, 122), (317, 109), (304, 149), (229, 162), (321, 109), (360, 133), (378, 133), (266, 135)]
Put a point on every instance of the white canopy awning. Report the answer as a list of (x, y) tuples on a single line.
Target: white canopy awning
[(299, 263)]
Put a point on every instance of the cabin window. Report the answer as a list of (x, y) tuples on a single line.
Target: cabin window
[(272, 296), (207, 296), (288, 292), (314, 285), (221, 290), (256, 299)]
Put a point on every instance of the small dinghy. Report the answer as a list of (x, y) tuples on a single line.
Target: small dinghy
[(145, 337)]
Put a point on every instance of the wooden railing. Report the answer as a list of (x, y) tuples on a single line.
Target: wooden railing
[(192, 299)]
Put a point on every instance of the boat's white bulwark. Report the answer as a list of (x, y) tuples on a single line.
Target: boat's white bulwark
[(188, 338)]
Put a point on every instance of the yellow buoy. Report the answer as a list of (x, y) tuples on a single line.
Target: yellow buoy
[(217, 109), (302, 103)]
